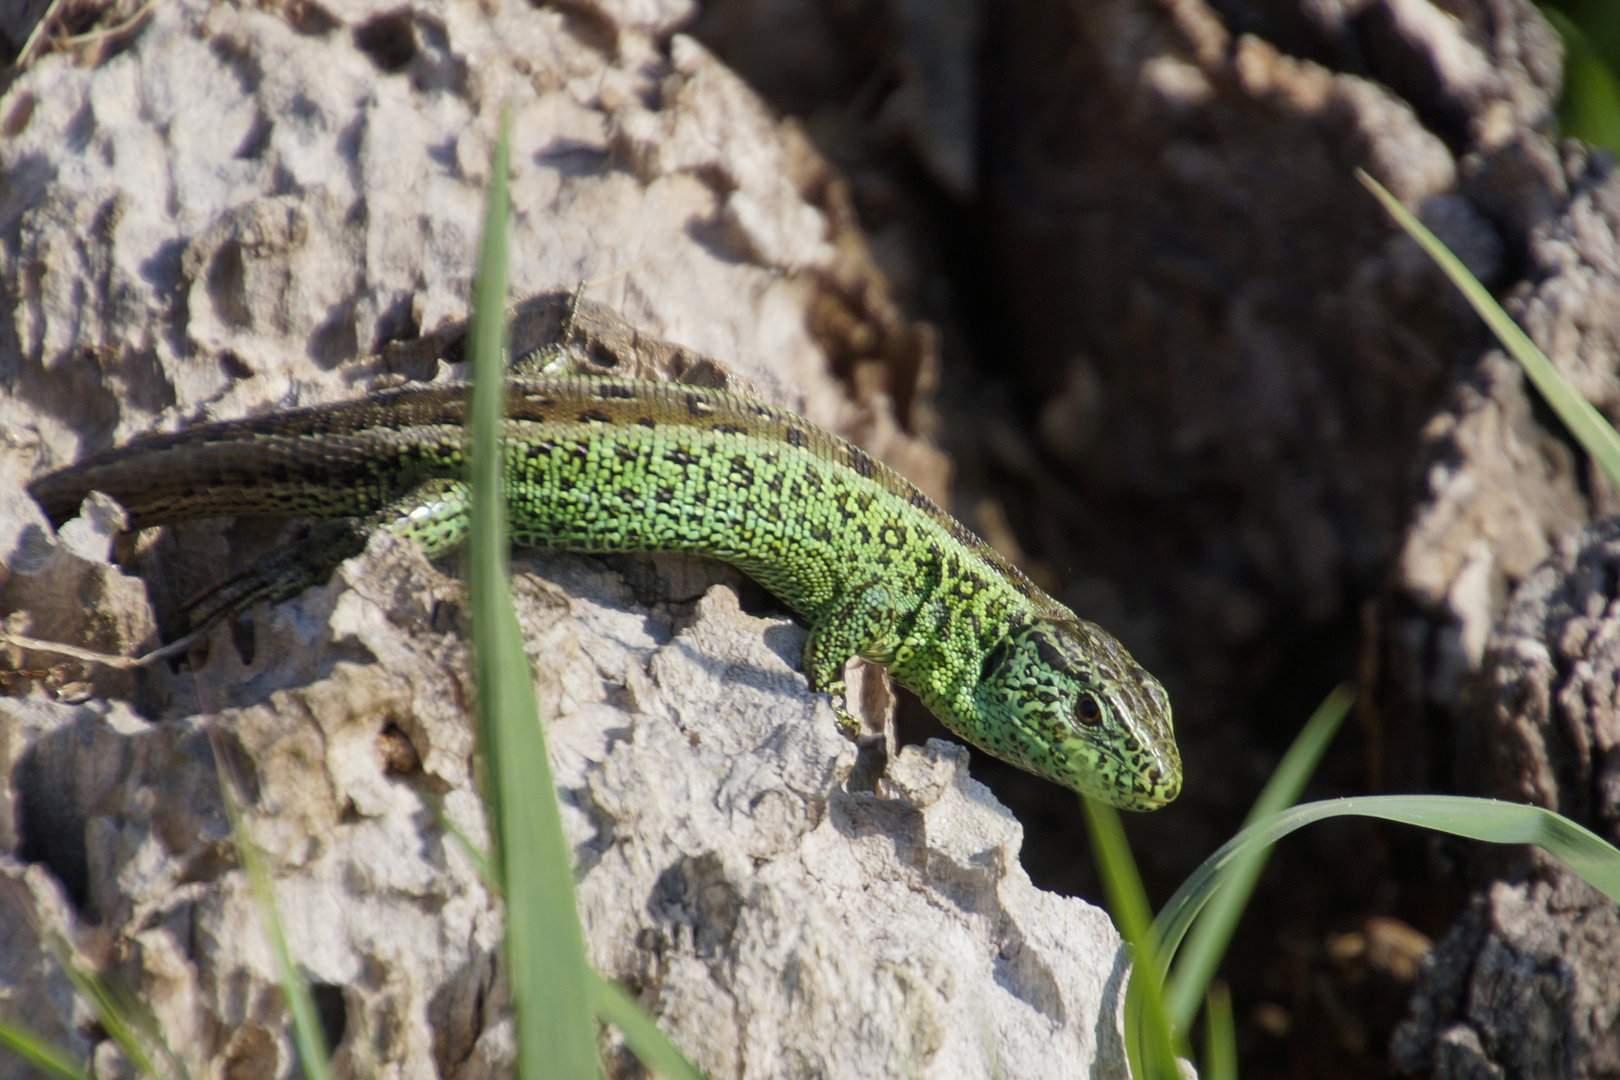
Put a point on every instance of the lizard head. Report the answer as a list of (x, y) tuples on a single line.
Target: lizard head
[(1064, 700)]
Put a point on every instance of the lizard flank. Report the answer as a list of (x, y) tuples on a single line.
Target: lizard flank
[(594, 464)]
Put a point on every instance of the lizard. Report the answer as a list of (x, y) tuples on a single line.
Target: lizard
[(607, 464)]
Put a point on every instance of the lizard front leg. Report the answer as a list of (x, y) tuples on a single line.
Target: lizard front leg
[(863, 625)]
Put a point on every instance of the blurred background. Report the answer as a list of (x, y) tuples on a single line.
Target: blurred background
[(1192, 382)]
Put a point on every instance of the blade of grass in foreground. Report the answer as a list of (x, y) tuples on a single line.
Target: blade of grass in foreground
[(127, 1023), (612, 1003), (1584, 422), (310, 1037), (1220, 1035), (1149, 1047), (39, 1053), (609, 1001), (1197, 961), (1581, 850), (545, 946)]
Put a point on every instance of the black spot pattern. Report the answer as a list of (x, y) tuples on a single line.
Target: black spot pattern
[(618, 465)]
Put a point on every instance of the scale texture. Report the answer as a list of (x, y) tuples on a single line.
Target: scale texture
[(875, 568)]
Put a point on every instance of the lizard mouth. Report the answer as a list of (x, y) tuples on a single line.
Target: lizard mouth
[(1141, 785), (1160, 783), (1149, 773)]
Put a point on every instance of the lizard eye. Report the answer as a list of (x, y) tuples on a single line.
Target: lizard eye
[(1086, 710)]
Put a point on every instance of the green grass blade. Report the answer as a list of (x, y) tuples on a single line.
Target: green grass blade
[(308, 1033), (1149, 1046), (127, 1023), (546, 966), (487, 566), (39, 1053), (1220, 1035), (1590, 108), (610, 1002), (482, 866), (1197, 961), (110, 1013), (1588, 426), (1581, 850)]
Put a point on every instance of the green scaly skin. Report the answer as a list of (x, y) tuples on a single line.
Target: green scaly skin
[(874, 567)]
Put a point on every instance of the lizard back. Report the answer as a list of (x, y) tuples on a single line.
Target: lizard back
[(348, 459), (618, 465)]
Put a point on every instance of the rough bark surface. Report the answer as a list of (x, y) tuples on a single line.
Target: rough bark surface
[(1528, 982), (1522, 986), (1518, 703), (1218, 403), (222, 212), (1544, 727), (1500, 484), (1226, 332)]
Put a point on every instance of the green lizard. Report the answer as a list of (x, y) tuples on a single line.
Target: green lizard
[(596, 464)]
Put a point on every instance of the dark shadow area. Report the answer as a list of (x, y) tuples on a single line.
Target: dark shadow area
[(50, 824), (1184, 380), (332, 1011)]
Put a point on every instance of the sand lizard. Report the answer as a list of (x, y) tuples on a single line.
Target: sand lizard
[(596, 464)]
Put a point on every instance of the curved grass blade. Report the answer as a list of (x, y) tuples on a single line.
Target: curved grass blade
[(1150, 1048), (39, 1053), (545, 946), (1579, 849), (652, 1048), (1197, 961), (1588, 425), (308, 1034)]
